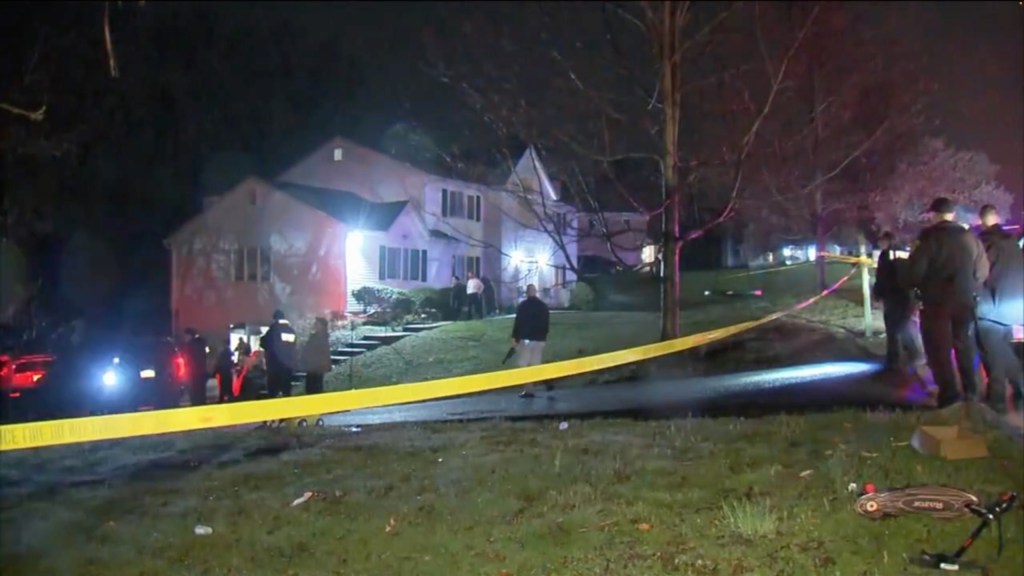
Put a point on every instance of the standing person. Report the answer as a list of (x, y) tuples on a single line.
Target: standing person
[(316, 357), (279, 347), (224, 370), (458, 299), (196, 349), (530, 333), (474, 296), (1000, 307), (489, 296), (898, 308), (948, 268)]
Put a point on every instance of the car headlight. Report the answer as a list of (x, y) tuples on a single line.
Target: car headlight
[(109, 378)]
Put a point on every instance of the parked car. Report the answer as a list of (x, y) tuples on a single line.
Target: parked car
[(19, 379), (140, 373)]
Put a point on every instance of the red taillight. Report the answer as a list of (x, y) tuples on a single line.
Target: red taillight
[(26, 379), (180, 367)]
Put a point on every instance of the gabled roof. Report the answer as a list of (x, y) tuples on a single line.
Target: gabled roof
[(346, 207), (531, 175)]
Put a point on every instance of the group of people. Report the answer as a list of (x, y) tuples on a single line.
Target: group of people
[(967, 290), (476, 297), (281, 359)]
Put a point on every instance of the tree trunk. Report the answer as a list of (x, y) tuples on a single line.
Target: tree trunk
[(819, 240), (670, 81)]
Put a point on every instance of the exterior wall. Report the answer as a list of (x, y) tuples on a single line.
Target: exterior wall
[(628, 241), (370, 174), (362, 258), (531, 256), (307, 272)]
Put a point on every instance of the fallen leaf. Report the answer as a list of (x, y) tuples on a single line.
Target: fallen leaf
[(901, 443), (392, 525), (504, 573), (644, 527), (806, 473), (868, 454)]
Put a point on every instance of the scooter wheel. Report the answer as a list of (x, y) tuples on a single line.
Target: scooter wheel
[(320, 422), (302, 423)]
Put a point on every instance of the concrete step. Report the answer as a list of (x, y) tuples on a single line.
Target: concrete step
[(387, 337), (366, 345), (417, 328), (347, 352)]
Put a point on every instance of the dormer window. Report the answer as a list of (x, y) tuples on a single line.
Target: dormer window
[(339, 154)]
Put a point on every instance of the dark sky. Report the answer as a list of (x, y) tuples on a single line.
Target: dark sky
[(977, 58)]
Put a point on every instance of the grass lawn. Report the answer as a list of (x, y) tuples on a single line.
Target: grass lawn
[(703, 496), (479, 346)]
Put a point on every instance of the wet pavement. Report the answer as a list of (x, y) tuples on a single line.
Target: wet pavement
[(791, 389)]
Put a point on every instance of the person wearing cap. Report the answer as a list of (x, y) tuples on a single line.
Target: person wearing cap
[(948, 268), (1000, 307), (279, 345), (898, 308)]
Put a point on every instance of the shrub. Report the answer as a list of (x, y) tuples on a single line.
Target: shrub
[(431, 303), (582, 297), (375, 298)]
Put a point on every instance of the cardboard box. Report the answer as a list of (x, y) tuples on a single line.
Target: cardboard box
[(950, 442)]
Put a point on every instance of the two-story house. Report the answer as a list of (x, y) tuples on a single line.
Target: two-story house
[(619, 239), (347, 216)]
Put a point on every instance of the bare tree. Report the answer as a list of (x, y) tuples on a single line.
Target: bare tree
[(675, 83), (937, 169), (852, 97)]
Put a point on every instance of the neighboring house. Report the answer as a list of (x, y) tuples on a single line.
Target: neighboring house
[(347, 217), (617, 237)]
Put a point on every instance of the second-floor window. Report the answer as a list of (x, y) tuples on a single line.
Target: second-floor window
[(252, 264), (460, 205), (402, 264), (559, 277)]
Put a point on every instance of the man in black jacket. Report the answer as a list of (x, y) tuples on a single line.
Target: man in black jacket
[(948, 268), (1000, 307), (279, 345), (898, 308), (530, 333)]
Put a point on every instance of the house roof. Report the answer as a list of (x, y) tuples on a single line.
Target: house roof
[(346, 207)]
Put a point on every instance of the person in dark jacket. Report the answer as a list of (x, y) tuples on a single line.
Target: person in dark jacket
[(898, 308), (316, 357), (458, 298), (197, 351), (279, 345), (530, 333), (224, 369), (490, 298), (1000, 307), (948, 268)]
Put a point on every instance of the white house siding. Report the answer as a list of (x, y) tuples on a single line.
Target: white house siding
[(628, 240), (360, 170), (363, 264), (532, 256), (306, 247)]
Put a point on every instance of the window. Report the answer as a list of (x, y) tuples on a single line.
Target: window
[(252, 265), (455, 204), (560, 276), (463, 265), (402, 264), (561, 222), (339, 154)]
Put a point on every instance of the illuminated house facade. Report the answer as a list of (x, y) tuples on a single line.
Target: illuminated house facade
[(347, 217)]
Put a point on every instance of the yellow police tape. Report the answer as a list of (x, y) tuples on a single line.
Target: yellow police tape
[(95, 428)]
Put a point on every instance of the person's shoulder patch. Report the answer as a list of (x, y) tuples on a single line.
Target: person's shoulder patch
[(287, 337)]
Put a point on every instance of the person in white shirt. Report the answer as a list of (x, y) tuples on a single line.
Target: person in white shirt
[(474, 296)]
